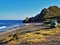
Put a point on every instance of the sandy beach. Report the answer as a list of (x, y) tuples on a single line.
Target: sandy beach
[(25, 27), (31, 34)]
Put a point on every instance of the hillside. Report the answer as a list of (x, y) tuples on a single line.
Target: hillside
[(52, 12)]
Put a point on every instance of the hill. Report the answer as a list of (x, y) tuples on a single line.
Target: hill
[(52, 12)]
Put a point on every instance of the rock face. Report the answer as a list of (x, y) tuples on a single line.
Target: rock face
[(53, 12), (26, 20)]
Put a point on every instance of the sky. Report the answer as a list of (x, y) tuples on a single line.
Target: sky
[(20, 9)]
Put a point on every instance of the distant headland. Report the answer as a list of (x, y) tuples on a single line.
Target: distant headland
[(50, 13)]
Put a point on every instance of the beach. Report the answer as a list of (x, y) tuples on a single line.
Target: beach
[(31, 34), (25, 27)]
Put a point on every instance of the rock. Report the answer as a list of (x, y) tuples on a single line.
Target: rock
[(50, 13), (26, 20)]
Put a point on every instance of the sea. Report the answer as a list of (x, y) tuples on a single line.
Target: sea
[(6, 25)]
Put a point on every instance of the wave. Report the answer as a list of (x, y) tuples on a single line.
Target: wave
[(2, 27), (6, 28)]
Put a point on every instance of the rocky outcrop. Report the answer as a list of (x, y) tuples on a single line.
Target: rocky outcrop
[(53, 12), (26, 20)]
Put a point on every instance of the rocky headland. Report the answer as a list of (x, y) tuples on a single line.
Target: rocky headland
[(50, 13)]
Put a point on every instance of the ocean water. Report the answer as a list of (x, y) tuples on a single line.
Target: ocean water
[(10, 24)]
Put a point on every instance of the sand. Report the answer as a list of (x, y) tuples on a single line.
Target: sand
[(38, 34), (26, 27)]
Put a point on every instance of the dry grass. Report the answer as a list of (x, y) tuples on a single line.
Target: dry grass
[(31, 37)]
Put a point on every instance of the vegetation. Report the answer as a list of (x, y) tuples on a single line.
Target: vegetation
[(52, 12), (30, 37)]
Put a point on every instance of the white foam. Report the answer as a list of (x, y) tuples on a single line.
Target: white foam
[(2, 27)]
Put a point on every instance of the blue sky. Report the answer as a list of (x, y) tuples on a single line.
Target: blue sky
[(19, 9)]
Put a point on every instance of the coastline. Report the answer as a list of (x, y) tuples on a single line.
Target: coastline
[(25, 27), (30, 33)]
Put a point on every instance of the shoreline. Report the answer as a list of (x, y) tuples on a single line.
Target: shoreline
[(22, 26), (30, 34), (26, 27)]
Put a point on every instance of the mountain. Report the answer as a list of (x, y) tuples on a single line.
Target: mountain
[(50, 13)]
